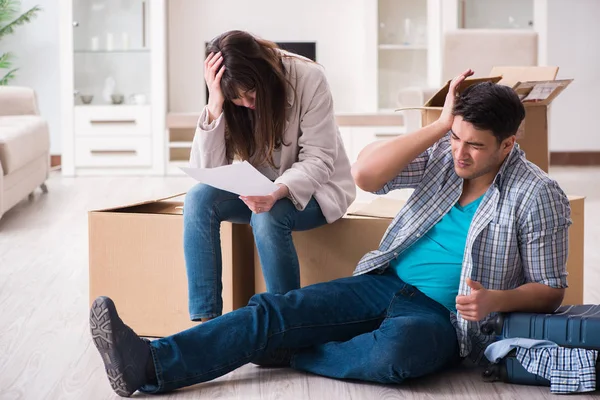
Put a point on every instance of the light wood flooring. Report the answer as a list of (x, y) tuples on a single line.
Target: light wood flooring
[(45, 346)]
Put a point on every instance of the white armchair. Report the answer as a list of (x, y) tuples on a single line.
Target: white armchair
[(24, 146)]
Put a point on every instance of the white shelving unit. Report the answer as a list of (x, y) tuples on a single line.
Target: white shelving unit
[(408, 47), (113, 47)]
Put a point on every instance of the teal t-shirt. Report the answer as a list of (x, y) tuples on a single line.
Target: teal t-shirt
[(434, 262)]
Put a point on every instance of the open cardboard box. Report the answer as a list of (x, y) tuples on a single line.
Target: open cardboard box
[(136, 258), (537, 88)]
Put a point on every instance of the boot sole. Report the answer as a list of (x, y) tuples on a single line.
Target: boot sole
[(102, 315)]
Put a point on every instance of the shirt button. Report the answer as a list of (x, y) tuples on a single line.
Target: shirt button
[(395, 254), (418, 235), (439, 213)]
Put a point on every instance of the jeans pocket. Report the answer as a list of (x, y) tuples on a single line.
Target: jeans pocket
[(401, 297)]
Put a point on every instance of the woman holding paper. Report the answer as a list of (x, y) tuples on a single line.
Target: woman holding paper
[(273, 109)]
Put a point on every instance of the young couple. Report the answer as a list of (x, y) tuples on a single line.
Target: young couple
[(485, 231)]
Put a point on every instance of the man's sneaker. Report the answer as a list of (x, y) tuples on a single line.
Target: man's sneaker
[(126, 356)]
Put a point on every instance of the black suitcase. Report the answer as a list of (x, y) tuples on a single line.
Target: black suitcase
[(569, 326)]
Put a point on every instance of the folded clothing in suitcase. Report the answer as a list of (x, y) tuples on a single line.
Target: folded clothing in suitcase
[(569, 326)]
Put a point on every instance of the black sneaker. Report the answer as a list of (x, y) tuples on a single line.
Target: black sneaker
[(126, 356), (279, 358)]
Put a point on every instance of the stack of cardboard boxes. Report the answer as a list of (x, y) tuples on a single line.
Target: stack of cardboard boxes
[(136, 251)]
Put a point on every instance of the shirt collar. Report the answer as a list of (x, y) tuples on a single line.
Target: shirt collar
[(508, 161)]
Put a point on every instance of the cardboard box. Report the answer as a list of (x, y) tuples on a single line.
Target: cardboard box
[(333, 251), (136, 258), (527, 82)]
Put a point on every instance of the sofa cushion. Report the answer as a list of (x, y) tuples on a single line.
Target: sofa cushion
[(23, 138)]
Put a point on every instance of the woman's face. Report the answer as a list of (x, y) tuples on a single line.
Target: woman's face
[(246, 99)]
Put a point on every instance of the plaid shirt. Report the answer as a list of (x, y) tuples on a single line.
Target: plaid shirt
[(568, 370), (518, 235)]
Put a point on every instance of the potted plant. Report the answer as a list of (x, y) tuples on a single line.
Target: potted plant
[(9, 20)]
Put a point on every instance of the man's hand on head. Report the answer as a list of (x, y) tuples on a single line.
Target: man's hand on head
[(446, 118)]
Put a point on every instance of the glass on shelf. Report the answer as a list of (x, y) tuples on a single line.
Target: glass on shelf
[(110, 41)]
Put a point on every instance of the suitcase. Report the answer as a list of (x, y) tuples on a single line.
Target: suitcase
[(569, 326), (510, 370)]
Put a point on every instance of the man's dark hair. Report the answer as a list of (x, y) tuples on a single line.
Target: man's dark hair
[(489, 106)]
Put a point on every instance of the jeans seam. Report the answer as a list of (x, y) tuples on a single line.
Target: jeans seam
[(214, 255), (262, 348), (158, 369)]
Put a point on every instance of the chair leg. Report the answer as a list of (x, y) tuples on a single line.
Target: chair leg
[(44, 188)]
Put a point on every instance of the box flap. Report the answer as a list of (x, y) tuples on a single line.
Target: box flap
[(438, 99), (141, 203), (540, 93), (512, 75), (380, 208)]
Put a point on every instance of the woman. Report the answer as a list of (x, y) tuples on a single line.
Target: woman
[(275, 110)]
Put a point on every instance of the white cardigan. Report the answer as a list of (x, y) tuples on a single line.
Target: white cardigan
[(315, 162)]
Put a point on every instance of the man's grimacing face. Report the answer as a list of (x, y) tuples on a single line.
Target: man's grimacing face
[(476, 152)]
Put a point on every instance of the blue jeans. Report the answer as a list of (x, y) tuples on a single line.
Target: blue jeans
[(204, 210), (370, 327)]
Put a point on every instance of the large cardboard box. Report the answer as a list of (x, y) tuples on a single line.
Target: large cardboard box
[(136, 258), (537, 88), (333, 251)]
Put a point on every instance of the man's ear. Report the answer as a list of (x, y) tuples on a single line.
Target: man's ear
[(508, 143)]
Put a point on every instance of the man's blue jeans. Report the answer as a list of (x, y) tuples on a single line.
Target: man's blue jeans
[(205, 207), (370, 327)]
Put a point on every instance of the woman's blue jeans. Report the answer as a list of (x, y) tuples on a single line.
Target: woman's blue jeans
[(204, 210)]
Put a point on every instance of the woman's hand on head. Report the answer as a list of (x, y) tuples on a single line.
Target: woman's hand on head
[(213, 71)]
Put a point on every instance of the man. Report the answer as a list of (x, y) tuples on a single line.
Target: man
[(485, 231)]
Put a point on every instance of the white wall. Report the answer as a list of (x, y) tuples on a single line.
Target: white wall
[(337, 26), (35, 46), (573, 36)]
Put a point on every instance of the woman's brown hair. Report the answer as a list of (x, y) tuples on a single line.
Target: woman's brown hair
[(252, 64)]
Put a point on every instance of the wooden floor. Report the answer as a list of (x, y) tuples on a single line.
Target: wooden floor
[(45, 346)]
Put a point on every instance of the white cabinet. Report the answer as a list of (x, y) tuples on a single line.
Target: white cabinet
[(356, 138), (408, 47), (113, 95)]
